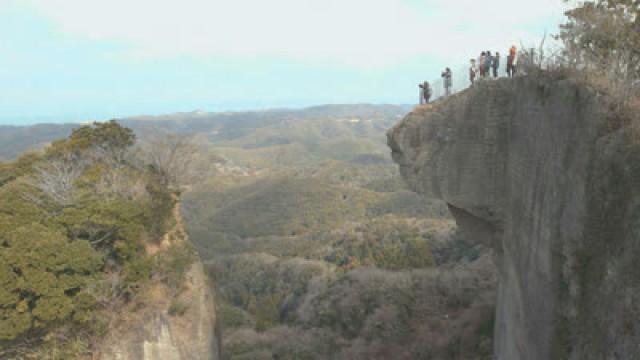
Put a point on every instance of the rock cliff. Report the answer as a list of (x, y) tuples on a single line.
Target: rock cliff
[(154, 333), (546, 172)]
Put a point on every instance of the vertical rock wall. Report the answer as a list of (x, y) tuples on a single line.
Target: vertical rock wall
[(152, 333), (155, 335), (545, 172)]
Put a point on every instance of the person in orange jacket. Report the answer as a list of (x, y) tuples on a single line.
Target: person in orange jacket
[(512, 61)]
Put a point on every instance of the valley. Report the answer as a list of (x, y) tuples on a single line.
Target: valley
[(317, 250), (313, 245)]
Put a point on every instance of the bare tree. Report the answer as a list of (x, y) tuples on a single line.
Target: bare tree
[(117, 176), (175, 156), (57, 178)]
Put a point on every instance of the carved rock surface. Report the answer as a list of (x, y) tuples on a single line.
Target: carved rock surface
[(547, 173)]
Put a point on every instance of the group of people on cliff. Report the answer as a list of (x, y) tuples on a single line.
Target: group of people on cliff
[(485, 67)]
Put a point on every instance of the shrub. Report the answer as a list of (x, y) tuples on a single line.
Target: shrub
[(232, 317), (383, 243), (178, 308), (173, 264), (41, 275)]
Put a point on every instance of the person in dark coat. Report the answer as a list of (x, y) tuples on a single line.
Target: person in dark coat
[(487, 64), (447, 81), (425, 92), (495, 64)]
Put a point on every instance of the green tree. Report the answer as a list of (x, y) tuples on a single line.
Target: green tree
[(63, 214), (41, 273), (109, 137), (24, 165)]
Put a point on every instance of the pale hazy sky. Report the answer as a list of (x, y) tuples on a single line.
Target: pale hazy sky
[(74, 60)]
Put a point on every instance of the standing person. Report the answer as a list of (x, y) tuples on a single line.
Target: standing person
[(425, 92), (473, 70), (495, 64), (481, 63), (446, 80), (487, 64), (511, 62)]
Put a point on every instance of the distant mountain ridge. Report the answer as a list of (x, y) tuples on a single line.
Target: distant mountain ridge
[(15, 140)]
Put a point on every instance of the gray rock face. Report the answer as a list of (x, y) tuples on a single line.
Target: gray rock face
[(155, 335), (544, 172)]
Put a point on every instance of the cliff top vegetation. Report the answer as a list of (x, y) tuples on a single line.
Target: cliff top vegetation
[(75, 222)]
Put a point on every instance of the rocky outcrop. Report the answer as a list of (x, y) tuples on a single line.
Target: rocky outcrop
[(546, 172), (155, 335), (169, 326)]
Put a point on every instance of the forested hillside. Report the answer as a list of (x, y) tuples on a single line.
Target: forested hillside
[(318, 251), (315, 247), (217, 127), (76, 223)]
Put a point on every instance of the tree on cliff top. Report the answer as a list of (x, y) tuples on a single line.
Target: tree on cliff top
[(70, 217), (108, 137), (175, 158), (604, 36)]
